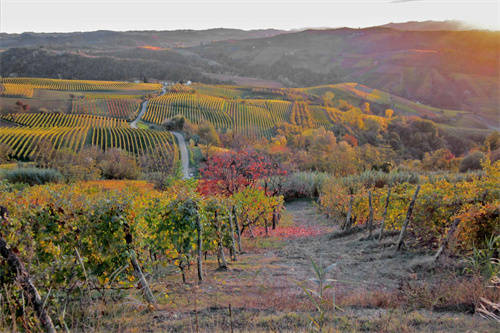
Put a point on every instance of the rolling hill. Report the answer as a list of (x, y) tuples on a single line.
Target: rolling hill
[(448, 69)]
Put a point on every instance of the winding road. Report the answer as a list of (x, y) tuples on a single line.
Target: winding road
[(144, 107), (184, 154), (180, 138)]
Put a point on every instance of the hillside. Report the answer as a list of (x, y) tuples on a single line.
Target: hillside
[(124, 65), (450, 25), (120, 39), (446, 69)]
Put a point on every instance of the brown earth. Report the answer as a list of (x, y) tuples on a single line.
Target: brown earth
[(263, 292)]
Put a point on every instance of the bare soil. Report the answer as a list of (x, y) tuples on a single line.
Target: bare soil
[(262, 288)]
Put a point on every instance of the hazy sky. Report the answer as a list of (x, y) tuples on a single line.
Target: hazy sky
[(86, 15)]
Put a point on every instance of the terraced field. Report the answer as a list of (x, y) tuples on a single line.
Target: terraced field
[(122, 108), (251, 117), (16, 90), (195, 107), (97, 115), (44, 120), (26, 141), (77, 85)]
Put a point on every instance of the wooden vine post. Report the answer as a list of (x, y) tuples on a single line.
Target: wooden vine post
[(148, 294), (443, 246), (384, 216), (347, 223), (199, 244), (17, 267), (275, 219), (238, 230), (399, 244), (370, 215), (220, 249), (233, 242)]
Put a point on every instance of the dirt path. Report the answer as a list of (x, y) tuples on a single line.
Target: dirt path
[(144, 107), (361, 264), (180, 138), (184, 154), (262, 286)]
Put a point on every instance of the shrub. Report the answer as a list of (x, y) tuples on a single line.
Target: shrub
[(301, 185), (372, 178), (116, 164), (471, 161), (33, 176), (175, 123), (5, 152)]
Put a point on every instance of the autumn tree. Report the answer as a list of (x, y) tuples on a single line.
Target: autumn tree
[(227, 173), (441, 159)]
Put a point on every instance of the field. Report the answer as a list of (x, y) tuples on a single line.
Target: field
[(76, 85), (256, 112), (337, 208), (98, 107), (74, 114)]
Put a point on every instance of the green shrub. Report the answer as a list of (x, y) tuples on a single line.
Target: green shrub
[(379, 179), (472, 161), (176, 123), (305, 184), (33, 176), (117, 164)]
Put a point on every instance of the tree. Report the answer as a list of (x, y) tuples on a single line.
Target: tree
[(365, 107), (441, 159), (328, 98), (492, 141), (117, 164), (472, 161), (176, 123), (208, 135), (157, 166), (5, 152), (228, 173)]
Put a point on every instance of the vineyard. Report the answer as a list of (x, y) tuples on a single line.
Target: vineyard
[(62, 120), (25, 141), (98, 117), (101, 221), (253, 117), (197, 108), (300, 115), (136, 141), (122, 108), (250, 117), (16, 90), (77, 85)]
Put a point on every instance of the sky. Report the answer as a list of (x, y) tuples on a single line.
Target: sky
[(88, 15)]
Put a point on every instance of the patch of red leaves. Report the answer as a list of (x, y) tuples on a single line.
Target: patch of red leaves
[(288, 232)]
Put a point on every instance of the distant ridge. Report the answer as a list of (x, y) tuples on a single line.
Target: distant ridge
[(451, 25)]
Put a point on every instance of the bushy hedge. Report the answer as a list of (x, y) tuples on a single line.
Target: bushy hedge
[(33, 176), (472, 161), (380, 179), (305, 184)]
